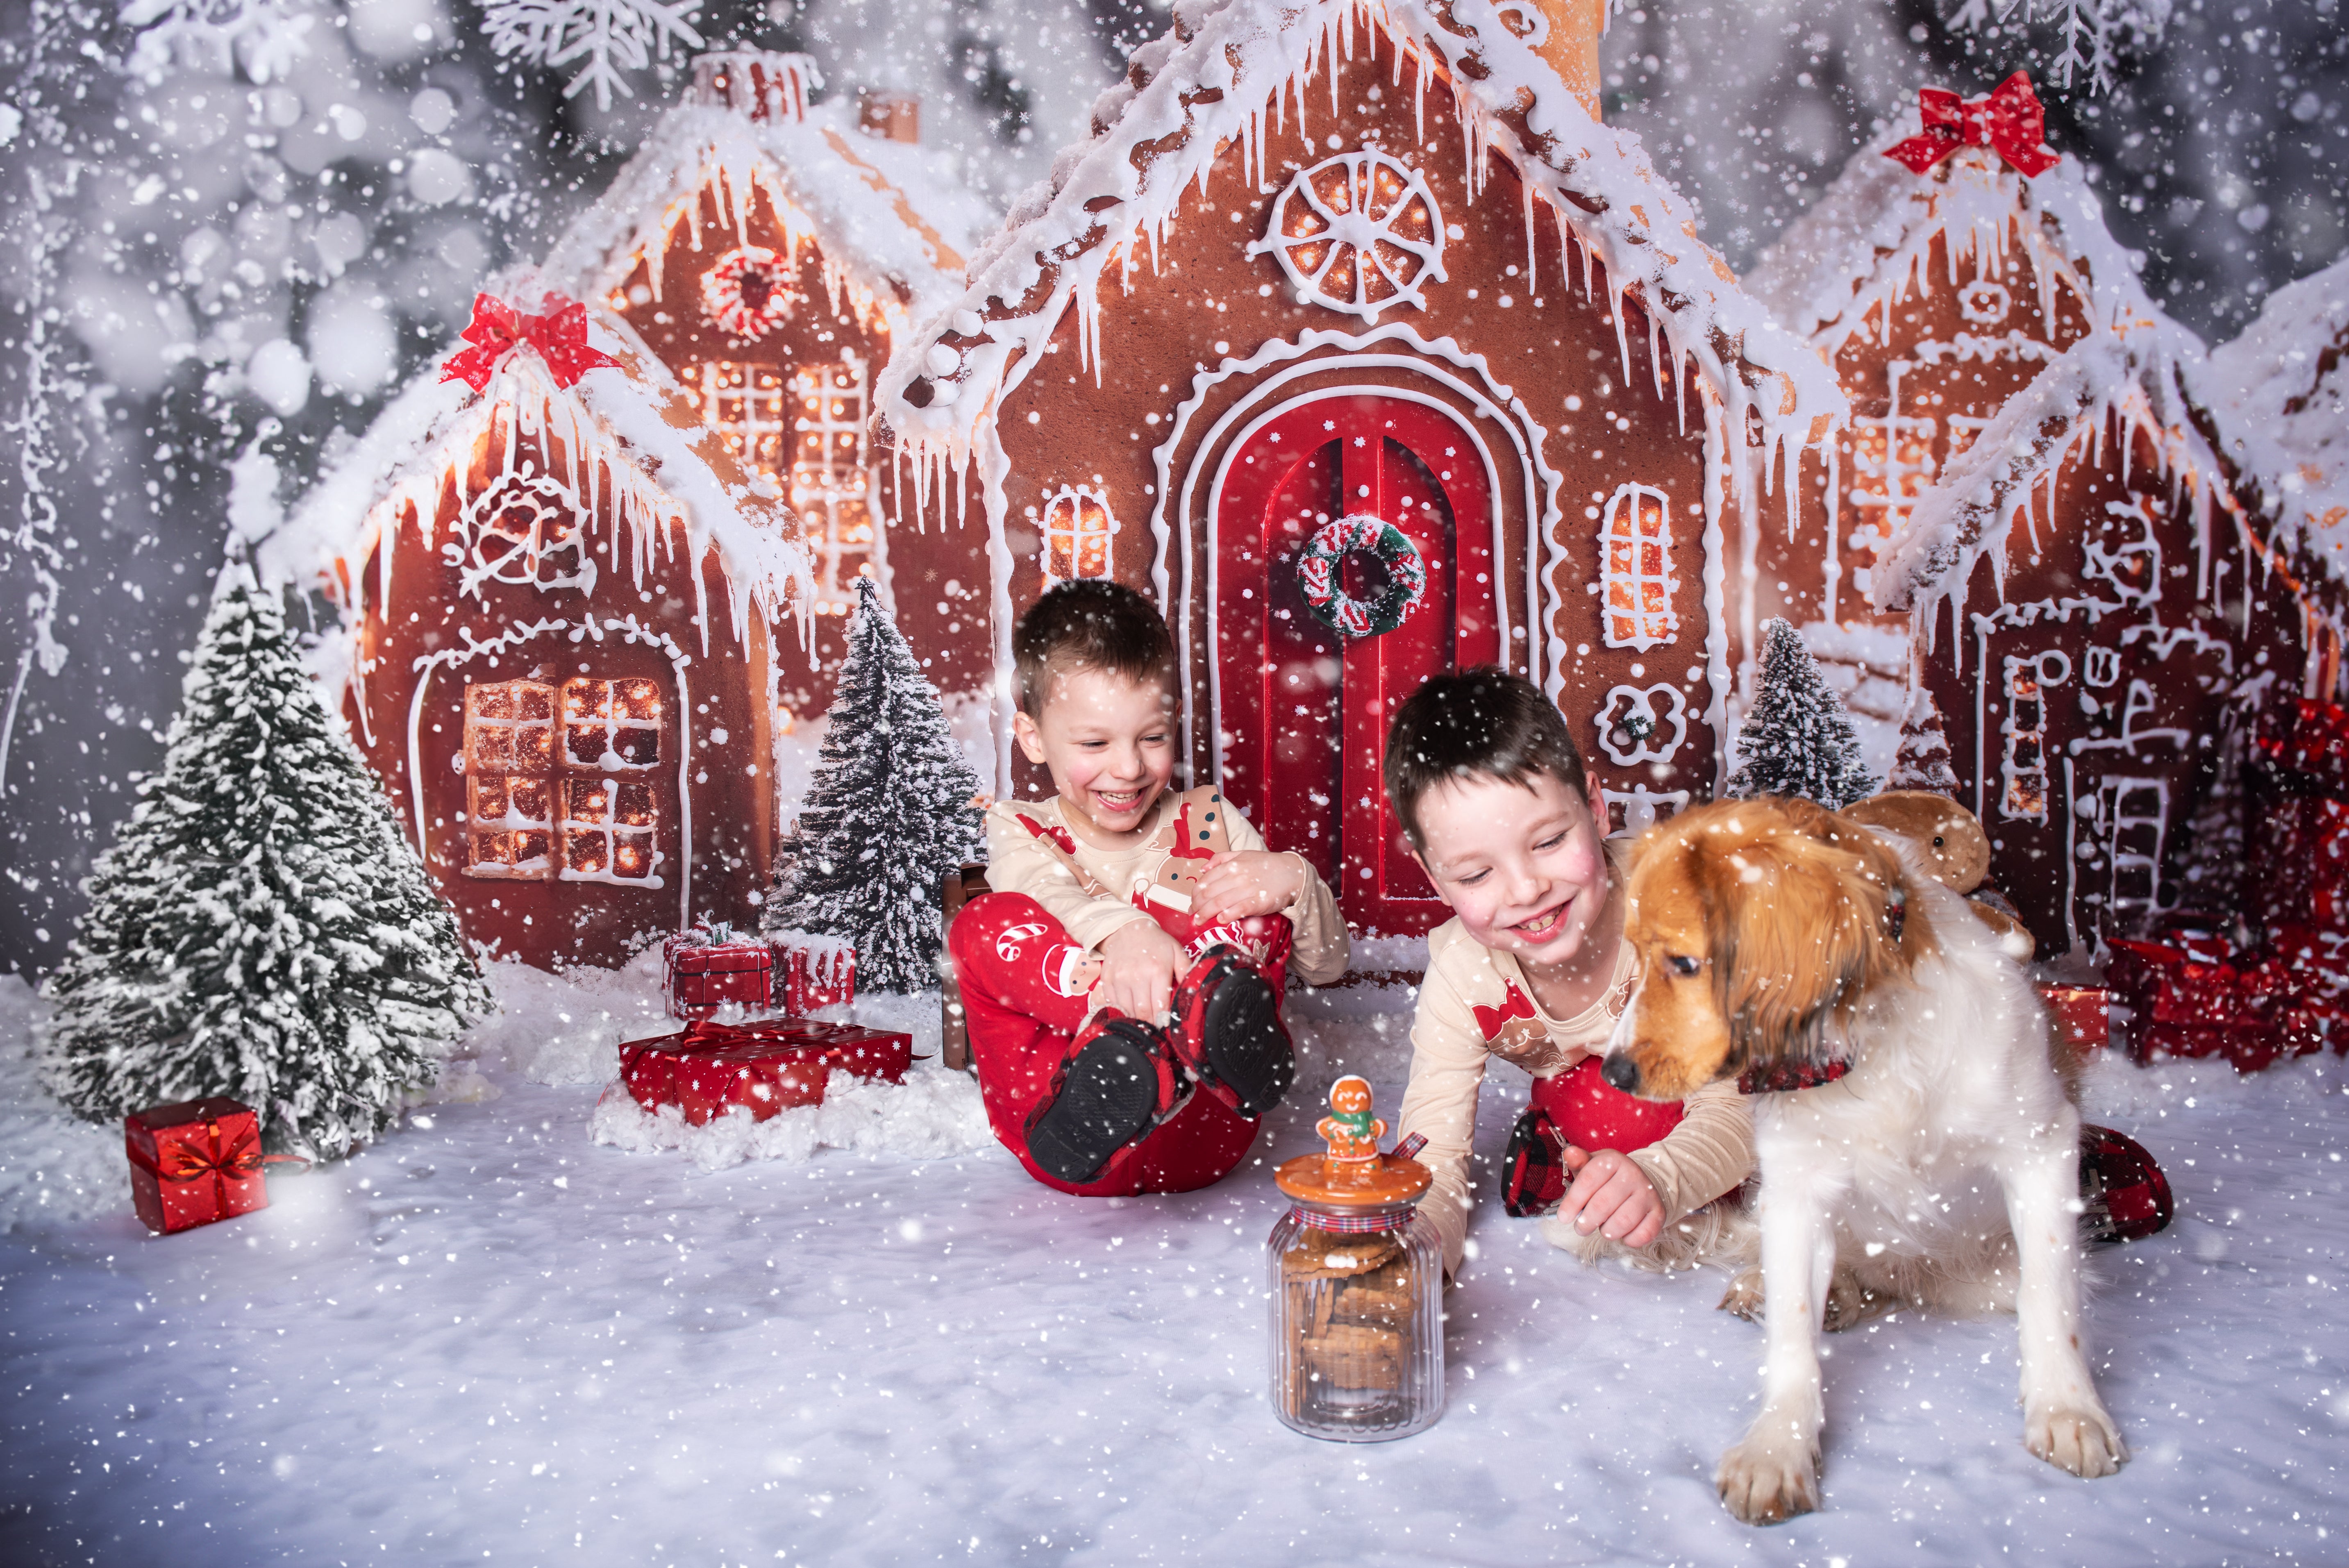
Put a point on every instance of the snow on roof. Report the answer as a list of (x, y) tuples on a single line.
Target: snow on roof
[(2109, 386), (634, 416), (1869, 238), (2278, 397), (889, 220), (1227, 68)]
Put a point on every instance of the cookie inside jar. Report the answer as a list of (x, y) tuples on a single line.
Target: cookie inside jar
[(1352, 1302)]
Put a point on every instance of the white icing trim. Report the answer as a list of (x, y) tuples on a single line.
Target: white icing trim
[(1643, 704)]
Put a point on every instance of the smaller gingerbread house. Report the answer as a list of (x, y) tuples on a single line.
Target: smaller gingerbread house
[(2023, 481), (562, 604), (769, 250)]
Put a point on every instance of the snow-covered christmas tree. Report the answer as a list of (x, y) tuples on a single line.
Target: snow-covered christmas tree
[(1797, 739), (1922, 761), (261, 928), (892, 807)]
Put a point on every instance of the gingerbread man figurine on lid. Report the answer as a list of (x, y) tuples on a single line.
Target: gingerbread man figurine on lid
[(1357, 1285)]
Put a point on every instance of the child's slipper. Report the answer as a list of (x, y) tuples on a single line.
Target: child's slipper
[(1534, 1171), (1118, 1082), (1229, 1032), (2125, 1196)]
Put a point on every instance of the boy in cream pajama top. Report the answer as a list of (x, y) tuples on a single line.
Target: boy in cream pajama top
[(1533, 970)]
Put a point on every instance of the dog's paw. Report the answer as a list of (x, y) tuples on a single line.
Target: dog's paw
[(1851, 1303), (1766, 1482), (2081, 1440), (1743, 1295)]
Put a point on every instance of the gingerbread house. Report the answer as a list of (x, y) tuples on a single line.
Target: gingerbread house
[(1354, 337), (563, 605), (771, 251), (2090, 606)]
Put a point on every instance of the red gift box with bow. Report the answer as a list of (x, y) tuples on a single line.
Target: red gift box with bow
[(764, 1067), (2250, 1010), (194, 1162), (705, 968)]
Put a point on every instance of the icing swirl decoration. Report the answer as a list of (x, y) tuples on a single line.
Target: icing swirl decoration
[(1319, 576), (1359, 233), (748, 292)]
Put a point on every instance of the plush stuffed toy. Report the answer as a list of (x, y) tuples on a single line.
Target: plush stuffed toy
[(1956, 852)]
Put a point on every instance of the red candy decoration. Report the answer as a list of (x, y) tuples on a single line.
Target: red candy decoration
[(2010, 123), (497, 329)]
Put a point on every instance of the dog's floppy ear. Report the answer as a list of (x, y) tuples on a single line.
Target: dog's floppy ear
[(1814, 918)]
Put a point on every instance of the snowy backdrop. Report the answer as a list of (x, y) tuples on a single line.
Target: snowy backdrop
[(233, 228)]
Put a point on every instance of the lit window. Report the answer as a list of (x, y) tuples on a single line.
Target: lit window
[(744, 404), (832, 483), (1635, 545), (536, 810), (2025, 769), (1078, 528), (1892, 463)]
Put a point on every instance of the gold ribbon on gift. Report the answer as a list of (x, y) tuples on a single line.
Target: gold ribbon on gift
[(238, 1157)]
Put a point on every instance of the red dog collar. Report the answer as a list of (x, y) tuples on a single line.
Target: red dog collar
[(1787, 1077)]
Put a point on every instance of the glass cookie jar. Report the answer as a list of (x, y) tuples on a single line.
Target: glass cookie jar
[(1357, 1285)]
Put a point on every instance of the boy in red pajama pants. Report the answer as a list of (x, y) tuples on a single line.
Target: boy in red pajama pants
[(1122, 983)]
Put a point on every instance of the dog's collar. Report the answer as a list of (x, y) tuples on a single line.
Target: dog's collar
[(1787, 1077), (1896, 911)]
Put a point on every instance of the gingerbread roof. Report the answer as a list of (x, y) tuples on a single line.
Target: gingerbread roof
[(1227, 68), (889, 220), (659, 463), (2109, 386), (1869, 238), (2278, 397)]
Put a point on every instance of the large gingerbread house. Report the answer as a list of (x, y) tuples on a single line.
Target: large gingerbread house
[(563, 607), (2091, 610), (1356, 340), (769, 250)]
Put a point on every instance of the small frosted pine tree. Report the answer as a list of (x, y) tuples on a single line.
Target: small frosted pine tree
[(1922, 762), (1798, 740), (893, 806), (261, 928)]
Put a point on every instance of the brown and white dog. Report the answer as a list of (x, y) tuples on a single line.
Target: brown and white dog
[(1938, 1156)]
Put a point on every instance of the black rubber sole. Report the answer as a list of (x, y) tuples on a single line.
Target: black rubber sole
[(1244, 1041), (1106, 1099)]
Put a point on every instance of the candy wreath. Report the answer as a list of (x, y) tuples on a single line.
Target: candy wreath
[(1317, 575)]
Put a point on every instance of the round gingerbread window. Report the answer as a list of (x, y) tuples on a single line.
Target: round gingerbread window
[(1359, 233)]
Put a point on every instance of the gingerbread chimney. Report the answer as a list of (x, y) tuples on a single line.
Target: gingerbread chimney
[(889, 114), (1569, 42), (759, 83)]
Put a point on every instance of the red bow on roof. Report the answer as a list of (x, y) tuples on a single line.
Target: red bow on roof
[(2009, 122), (1492, 1020), (560, 336)]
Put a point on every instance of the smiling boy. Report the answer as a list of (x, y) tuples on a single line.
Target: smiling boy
[(1533, 970), (1122, 981)]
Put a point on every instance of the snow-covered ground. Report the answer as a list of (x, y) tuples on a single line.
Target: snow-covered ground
[(489, 1339)]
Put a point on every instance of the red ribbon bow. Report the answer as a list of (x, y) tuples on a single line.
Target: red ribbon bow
[(559, 334), (2010, 123), (1514, 1004)]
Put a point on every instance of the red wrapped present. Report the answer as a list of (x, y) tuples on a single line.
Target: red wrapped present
[(2083, 1015), (2305, 738), (709, 966), (763, 1066), (194, 1162), (818, 971)]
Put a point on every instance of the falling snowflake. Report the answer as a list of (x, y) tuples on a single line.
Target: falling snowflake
[(610, 35)]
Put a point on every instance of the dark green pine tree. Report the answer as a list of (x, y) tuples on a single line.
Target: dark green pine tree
[(893, 806), (261, 928), (1798, 740)]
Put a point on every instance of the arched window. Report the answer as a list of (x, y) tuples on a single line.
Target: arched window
[(1635, 554), (1078, 528)]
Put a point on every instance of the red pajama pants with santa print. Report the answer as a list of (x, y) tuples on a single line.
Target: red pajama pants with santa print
[(1014, 962)]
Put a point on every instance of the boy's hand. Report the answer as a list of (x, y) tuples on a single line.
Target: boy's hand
[(1140, 964), (1243, 882), (1613, 1196)]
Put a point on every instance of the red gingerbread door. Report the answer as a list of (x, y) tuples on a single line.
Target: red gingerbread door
[(1302, 707)]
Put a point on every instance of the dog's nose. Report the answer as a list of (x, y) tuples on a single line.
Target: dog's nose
[(1621, 1073)]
